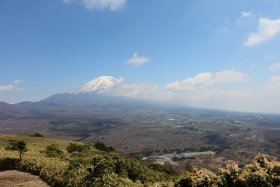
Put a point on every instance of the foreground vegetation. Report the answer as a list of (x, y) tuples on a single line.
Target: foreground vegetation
[(69, 163), (261, 173)]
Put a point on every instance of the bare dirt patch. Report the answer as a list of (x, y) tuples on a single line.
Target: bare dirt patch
[(14, 178)]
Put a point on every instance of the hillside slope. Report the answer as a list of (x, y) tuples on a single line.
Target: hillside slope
[(69, 163)]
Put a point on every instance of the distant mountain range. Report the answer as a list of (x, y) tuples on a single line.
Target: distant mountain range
[(89, 97), (93, 97)]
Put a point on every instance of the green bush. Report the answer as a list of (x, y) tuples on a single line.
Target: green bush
[(15, 145), (53, 151), (102, 147), (121, 167), (100, 168), (9, 163), (167, 168), (36, 134), (73, 147)]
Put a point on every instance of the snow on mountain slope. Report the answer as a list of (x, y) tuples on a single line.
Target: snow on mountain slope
[(99, 84)]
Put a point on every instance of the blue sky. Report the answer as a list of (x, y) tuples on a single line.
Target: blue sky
[(222, 49)]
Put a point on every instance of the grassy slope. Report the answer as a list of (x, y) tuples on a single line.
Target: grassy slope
[(74, 170), (56, 172)]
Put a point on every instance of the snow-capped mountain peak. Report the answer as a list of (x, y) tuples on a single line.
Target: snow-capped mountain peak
[(99, 84)]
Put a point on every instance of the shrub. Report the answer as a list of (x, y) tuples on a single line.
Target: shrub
[(121, 167), (52, 151), (102, 147), (261, 173), (185, 181), (19, 146), (36, 134), (167, 168), (101, 167), (73, 147), (9, 163)]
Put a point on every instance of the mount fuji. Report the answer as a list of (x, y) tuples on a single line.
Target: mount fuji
[(94, 92), (95, 95), (98, 85)]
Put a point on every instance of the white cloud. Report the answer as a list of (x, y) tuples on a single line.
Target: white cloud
[(245, 18), (12, 87), (267, 98), (9, 87), (225, 90), (140, 91), (211, 90), (274, 83), (18, 81), (207, 80), (245, 14), (104, 4), (274, 67), (137, 60), (67, 1), (100, 4), (267, 29)]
